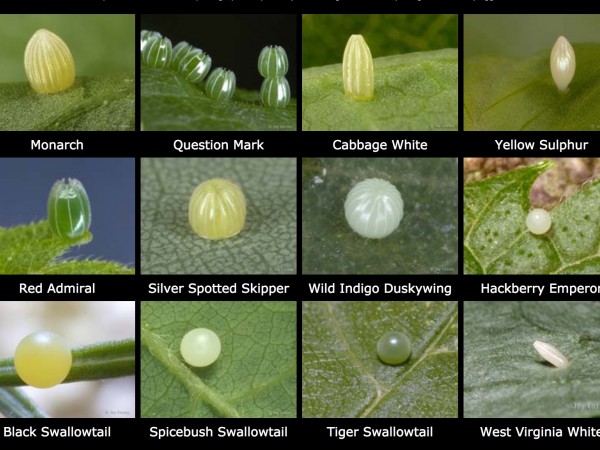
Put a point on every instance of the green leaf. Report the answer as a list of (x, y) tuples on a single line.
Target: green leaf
[(255, 375), (108, 359), (519, 94), (14, 403), (343, 377), (267, 244), (498, 241), (502, 368), (35, 249), (104, 103), (426, 240), (169, 102), (416, 91)]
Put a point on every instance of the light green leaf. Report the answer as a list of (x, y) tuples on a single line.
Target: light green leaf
[(416, 91), (343, 377), (35, 249), (519, 94), (255, 375), (267, 244), (103, 103), (502, 368), (169, 102), (498, 241), (426, 240)]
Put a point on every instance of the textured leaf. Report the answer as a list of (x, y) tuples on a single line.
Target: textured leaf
[(169, 102), (35, 249), (343, 377), (267, 244), (14, 403), (426, 240), (519, 94), (106, 104), (416, 91), (506, 377), (255, 375), (324, 36), (498, 241)]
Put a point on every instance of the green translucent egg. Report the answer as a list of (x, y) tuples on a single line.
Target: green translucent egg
[(69, 212), (393, 348)]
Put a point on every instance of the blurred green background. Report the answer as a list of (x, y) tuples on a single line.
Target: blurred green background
[(324, 36), (520, 35), (100, 43)]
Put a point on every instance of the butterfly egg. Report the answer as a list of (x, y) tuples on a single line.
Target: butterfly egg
[(179, 51), (220, 84), (273, 62), (538, 221), (43, 359), (157, 52), (69, 212), (217, 209), (49, 65), (275, 92), (194, 65), (146, 35), (551, 354), (562, 63), (200, 347), (357, 69), (374, 208), (393, 348)]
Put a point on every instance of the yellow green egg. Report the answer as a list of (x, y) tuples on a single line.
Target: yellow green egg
[(43, 359), (217, 209), (49, 65)]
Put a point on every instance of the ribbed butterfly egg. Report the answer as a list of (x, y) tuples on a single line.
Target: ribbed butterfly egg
[(192, 63), (393, 348), (49, 65), (200, 347), (562, 63), (43, 359), (157, 51), (220, 84), (374, 208), (217, 209), (275, 92), (357, 69), (145, 36), (538, 221), (69, 211), (273, 62)]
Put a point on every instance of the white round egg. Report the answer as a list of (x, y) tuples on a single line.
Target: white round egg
[(374, 208), (538, 221)]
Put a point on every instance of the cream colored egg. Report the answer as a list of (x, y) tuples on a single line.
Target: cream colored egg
[(538, 221), (49, 65), (374, 208), (562, 63)]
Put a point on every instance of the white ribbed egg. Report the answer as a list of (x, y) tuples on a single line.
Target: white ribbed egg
[(562, 63), (374, 208)]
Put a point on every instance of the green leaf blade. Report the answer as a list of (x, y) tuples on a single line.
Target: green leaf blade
[(506, 94), (255, 375), (416, 91), (343, 377), (169, 102), (102, 103)]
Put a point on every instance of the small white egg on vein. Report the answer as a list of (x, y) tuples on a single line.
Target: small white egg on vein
[(562, 63), (551, 354), (538, 221)]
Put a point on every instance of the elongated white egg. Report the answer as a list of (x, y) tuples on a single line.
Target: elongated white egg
[(562, 63), (374, 208), (551, 354)]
